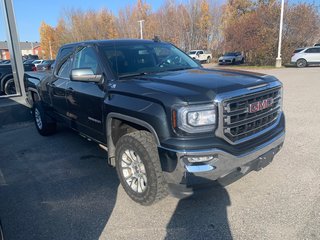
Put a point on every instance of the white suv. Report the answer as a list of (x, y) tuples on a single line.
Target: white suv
[(303, 57)]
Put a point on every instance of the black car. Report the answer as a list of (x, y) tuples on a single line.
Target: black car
[(5, 62), (46, 65)]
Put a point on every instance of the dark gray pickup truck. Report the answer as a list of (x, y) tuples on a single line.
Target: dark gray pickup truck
[(7, 86), (169, 125)]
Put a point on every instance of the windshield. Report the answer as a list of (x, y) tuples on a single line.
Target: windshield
[(143, 58), (230, 54), (47, 62)]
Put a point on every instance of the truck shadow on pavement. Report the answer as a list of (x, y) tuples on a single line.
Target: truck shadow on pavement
[(201, 216), (56, 187)]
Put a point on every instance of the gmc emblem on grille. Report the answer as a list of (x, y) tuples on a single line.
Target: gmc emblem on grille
[(260, 105)]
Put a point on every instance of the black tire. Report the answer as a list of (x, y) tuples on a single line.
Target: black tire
[(301, 63), (9, 87), (1, 232), (208, 59), (142, 150), (233, 61), (44, 124), (242, 61)]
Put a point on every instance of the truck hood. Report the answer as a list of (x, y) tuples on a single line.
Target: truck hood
[(194, 85)]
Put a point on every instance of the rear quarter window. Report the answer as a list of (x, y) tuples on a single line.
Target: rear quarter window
[(298, 50)]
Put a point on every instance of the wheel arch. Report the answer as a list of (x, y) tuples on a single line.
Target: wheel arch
[(117, 125), (4, 79), (33, 95)]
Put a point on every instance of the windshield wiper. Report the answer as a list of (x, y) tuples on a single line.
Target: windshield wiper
[(178, 69), (132, 75)]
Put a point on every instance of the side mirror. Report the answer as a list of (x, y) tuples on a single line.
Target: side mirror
[(84, 75)]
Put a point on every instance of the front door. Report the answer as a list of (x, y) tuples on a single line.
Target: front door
[(85, 99)]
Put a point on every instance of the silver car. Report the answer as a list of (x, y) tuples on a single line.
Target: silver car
[(231, 58), (303, 57)]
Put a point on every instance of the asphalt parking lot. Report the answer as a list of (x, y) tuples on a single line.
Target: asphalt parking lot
[(60, 187)]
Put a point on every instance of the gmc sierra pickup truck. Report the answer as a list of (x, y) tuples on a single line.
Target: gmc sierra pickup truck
[(169, 125)]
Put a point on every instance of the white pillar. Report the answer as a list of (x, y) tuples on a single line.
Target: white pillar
[(141, 32), (278, 59), (13, 45)]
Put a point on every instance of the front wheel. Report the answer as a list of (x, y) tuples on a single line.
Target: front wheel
[(138, 168), (208, 59), (44, 124)]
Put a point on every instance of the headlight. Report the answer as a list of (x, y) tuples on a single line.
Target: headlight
[(196, 119)]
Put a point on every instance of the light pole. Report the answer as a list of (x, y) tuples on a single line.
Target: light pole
[(278, 59), (141, 33), (50, 49)]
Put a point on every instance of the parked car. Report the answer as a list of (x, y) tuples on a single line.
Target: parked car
[(231, 58), (7, 85), (37, 62), (201, 55), (302, 57), (168, 123), (46, 65), (5, 61), (317, 45)]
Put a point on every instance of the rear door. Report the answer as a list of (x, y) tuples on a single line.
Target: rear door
[(57, 86), (202, 56), (311, 55), (317, 55), (85, 99)]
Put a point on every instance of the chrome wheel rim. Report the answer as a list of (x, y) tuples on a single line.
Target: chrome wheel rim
[(301, 63), (38, 118), (133, 171)]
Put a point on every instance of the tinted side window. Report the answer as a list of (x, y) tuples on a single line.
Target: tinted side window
[(64, 70), (86, 58), (64, 52), (311, 50), (317, 50), (200, 52)]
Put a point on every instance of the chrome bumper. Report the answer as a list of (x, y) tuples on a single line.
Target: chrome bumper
[(221, 165), (225, 160)]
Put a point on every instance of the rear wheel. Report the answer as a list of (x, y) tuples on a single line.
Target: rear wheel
[(208, 59), (138, 168), (45, 125), (9, 87), (301, 63)]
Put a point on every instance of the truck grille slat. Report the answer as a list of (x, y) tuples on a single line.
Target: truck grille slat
[(239, 122)]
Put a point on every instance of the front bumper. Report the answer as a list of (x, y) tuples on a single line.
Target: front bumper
[(186, 176)]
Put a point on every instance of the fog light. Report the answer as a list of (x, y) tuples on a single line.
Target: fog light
[(195, 159)]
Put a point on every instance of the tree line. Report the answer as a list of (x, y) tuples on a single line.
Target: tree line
[(249, 26)]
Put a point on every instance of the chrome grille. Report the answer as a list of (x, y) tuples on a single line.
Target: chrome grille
[(239, 123)]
